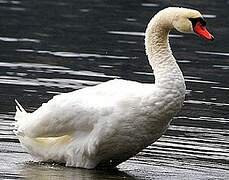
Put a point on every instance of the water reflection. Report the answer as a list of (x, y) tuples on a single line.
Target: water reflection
[(32, 170)]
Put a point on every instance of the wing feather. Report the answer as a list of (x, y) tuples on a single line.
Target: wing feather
[(80, 110)]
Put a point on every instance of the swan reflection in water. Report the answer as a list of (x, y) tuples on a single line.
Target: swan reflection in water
[(42, 170)]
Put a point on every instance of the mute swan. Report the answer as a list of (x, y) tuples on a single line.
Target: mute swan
[(106, 124)]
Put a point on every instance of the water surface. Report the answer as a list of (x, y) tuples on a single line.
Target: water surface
[(51, 47)]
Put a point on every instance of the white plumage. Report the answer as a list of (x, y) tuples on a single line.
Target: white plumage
[(106, 124)]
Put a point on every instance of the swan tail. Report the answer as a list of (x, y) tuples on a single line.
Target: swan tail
[(20, 111), (19, 106), (45, 149), (20, 116), (69, 148)]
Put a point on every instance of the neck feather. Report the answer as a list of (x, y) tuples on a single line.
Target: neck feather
[(166, 71), (156, 39)]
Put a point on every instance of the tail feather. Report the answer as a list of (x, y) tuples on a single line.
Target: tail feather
[(36, 146), (19, 106), (20, 116), (68, 148), (20, 112)]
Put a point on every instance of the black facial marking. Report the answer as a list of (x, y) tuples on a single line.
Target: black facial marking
[(199, 19)]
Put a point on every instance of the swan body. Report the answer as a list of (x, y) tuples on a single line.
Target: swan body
[(106, 124)]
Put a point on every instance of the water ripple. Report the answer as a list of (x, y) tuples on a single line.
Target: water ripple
[(221, 88), (224, 67), (196, 130), (30, 65), (73, 55), (212, 53), (201, 81), (21, 78), (139, 34), (9, 39), (150, 5), (206, 102), (84, 73), (57, 82), (210, 16)]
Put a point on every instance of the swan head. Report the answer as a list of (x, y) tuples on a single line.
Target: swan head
[(189, 21)]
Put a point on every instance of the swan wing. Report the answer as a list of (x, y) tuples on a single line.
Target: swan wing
[(81, 110)]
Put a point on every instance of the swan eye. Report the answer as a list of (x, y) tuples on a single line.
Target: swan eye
[(196, 20)]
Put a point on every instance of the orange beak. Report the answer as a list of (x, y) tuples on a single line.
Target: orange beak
[(202, 31)]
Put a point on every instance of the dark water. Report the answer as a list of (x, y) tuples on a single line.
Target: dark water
[(50, 47)]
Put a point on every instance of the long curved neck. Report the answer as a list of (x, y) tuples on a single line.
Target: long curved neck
[(166, 71)]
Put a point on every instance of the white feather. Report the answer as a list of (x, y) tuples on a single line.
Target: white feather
[(108, 123)]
